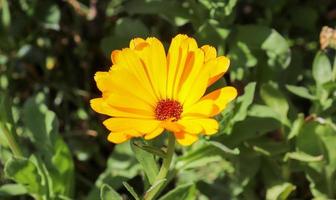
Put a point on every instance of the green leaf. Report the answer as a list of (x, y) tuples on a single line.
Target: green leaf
[(24, 172), (6, 17), (108, 193), (267, 146), (9, 190), (8, 134), (182, 192), (247, 51), (40, 122), (206, 153), (131, 190), (318, 139), (147, 162), (244, 101), (301, 156), (322, 71), (272, 96), (224, 148), (150, 149), (300, 91), (172, 11), (42, 130), (239, 112), (296, 127), (125, 30), (263, 111), (121, 166), (156, 184), (52, 17), (280, 191), (251, 127)]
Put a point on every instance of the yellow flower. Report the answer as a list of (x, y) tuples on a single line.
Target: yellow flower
[(146, 91)]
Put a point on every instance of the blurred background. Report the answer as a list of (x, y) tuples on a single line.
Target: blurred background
[(283, 123)]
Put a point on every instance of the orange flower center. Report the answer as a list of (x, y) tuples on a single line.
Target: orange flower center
[(168, 109)]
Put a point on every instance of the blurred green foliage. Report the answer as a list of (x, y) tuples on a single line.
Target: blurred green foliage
[(276, 141)]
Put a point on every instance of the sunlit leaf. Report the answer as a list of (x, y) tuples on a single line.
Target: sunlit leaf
[(322, 72)]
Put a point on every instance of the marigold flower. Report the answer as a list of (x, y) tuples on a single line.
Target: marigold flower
[(146, 91)]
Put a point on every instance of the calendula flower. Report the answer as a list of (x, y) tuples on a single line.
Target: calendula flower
[(146, 91)]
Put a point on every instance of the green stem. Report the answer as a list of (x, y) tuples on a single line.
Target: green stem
[(13, 145), (334, 69), (150, 194)]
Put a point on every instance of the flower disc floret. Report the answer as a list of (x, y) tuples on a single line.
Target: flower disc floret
[(168, 110)]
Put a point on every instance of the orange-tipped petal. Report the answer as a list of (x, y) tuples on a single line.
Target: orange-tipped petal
[(221, 98)]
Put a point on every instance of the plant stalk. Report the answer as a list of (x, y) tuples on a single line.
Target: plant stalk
[(150, 194), (13, 145)]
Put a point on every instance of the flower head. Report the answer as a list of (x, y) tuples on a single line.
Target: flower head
[(146, 91)]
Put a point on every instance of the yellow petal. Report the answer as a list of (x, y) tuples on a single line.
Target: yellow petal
[(185, 139), (154, 60), (104, 81), (176, 57), (127, 84), (202, 108), (118, 137), (221, 98), (209, 52), (154, 133), (194, 83), (125, 124), (115, 56), (136, 42), (207, 126), (171, 126), (186, 56), (126, 101), (130, 61), (190, 126), (217, 68), (101, 106), (210, 126)]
